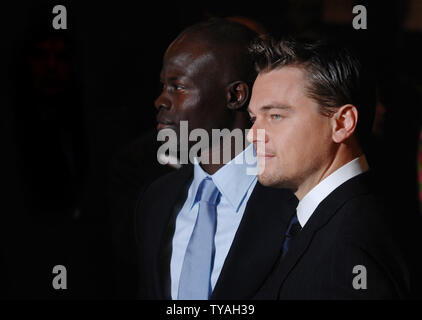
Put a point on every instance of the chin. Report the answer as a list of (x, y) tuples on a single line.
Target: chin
[(275, 181), (267, 180)]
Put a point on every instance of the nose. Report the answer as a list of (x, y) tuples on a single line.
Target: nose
[(250, 135), (257, 135), (162, 101)]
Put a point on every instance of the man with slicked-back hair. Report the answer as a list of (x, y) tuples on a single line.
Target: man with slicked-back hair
[(315, 102)]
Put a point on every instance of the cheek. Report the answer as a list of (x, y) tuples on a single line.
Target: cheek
[(209, 112), (186, 106), (300, 142), (315, 141), (292, 149)]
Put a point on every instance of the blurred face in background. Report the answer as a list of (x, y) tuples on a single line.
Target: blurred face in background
[(50, 66)]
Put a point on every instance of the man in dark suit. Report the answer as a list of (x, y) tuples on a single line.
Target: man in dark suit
[(313, 100), (207, 74)]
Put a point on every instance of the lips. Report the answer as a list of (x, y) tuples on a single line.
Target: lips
[(164, 123), (265, 155), (263, 152)]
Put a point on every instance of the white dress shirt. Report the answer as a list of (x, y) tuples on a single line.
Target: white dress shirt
[(313, 198)]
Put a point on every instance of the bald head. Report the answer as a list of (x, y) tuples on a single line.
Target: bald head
[(228, 42), (207, 76)]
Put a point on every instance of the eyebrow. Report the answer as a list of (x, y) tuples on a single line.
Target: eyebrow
[(273, 106), (172, 78)]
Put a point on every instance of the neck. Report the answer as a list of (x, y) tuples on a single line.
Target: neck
[(211, 168), (221, 154), (225, 151), (344, 154)]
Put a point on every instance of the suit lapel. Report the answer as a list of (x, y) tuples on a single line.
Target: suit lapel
[(167, 213), (322, 214), (256, 245)]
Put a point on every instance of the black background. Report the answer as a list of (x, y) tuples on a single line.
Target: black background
[(117, 49)]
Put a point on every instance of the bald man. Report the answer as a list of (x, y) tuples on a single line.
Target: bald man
[(208, 230)]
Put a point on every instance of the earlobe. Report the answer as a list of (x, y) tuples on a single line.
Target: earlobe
[(237, 95), (344, 122)]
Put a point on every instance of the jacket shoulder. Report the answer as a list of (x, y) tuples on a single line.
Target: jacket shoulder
[(166, 183)]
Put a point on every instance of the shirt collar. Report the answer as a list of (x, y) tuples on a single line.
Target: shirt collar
[(198, 175), (232, 180), (313, 198)]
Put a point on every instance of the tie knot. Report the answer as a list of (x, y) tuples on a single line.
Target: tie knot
[(294, 227), (208, 191)]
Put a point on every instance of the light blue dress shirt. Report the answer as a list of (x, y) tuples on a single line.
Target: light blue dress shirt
[(235, 183)]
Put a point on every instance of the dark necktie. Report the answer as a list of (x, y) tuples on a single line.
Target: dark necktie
[(292, 231)]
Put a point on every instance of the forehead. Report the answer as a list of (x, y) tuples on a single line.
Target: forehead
[(188, 56), (283, 86)]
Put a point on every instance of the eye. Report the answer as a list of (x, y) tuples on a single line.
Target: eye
[(175, 87), (252, 118), (179, 87), (275, 117), (169, 87)]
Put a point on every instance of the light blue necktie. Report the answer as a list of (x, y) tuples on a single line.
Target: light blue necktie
[(195, 278)]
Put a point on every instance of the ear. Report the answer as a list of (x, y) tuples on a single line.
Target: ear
[(237, 95), (344, 122)]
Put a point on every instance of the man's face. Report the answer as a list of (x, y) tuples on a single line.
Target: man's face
[(193, 87), (297, 141)]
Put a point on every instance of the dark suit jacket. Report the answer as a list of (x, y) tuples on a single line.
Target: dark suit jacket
[(348, 228), (252, 255)]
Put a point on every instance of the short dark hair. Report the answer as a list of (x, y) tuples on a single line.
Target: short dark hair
[(334, 74)]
